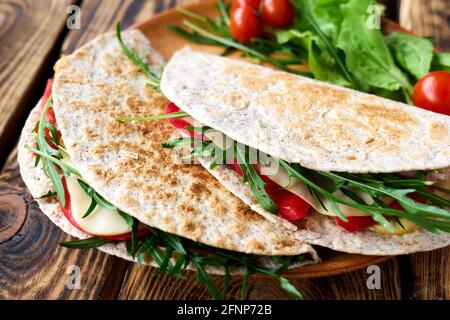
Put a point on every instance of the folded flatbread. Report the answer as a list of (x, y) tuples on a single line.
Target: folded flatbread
[(317, 125), (125, 163)]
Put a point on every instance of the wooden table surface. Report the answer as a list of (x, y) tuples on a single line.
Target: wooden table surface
[(33, 34)]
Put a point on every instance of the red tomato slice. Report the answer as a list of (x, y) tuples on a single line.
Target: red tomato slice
[(180, 123), (290, 206), (356, 223), (67, 210), (50, 116), (236, 167)]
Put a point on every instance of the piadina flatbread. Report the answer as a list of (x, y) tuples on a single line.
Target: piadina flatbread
[(125, 163), (320, 126)]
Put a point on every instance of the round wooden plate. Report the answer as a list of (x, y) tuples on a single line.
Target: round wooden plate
[(167, 42)]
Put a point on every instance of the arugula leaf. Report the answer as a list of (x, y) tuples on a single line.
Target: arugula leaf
[(128, 219), (91, 208), (53, 174), (64, 166), (180, 114), (244, 285), (133, 243), (257, 185), (85, 243), (170, 144), (153, 78), (49, 194), (204, 277), (192, 36), (223, 8), (98, 199), (289, 288), (413, 54)]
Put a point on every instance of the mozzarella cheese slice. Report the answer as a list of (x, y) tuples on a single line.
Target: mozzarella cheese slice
[(101, 221)]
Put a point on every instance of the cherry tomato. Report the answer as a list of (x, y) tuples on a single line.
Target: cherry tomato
[(356, 223), (277, 13), (67, 210), (242, 3), (245, 24), (432, 92)]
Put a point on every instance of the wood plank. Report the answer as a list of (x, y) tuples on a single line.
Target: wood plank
[(30, 37), (34, 266), (100, 16), (42, 274), (429, 276), (428, 18)]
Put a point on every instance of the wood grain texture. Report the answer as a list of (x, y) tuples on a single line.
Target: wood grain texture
[(428, 18), (428, 273), (99, 16), (34, 266), (29, 35)]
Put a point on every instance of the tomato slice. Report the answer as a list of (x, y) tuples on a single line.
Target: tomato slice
[(50, 116), (290, 206), (356, 223), (180, 123), (67, 210), (236, 167)]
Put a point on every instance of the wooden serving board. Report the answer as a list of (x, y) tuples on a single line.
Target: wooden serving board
[(33, 266)]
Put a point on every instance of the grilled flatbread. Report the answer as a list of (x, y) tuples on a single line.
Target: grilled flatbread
[(126, 164), (320, 126), (301, 120)]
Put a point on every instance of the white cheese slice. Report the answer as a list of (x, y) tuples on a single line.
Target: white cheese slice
[(102, 221)]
